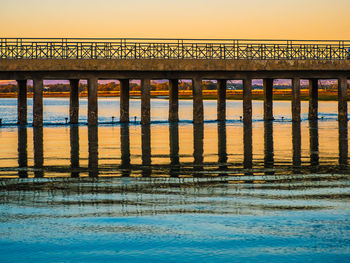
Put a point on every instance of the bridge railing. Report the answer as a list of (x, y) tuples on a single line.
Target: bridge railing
[(139, 48)]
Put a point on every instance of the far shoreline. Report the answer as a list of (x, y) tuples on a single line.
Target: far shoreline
[(187, 95)]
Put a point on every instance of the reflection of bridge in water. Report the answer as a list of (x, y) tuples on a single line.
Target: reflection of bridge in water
[(177, 168)]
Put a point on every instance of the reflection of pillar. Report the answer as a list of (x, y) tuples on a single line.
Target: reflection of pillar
[(268, 104), (145, 101), (222, 151), (173, 100), (92, 101), (125, 148), (343, 99), (146, 149), (197, 100), (247, 100), (38, 102), (74, 150), (296, 99), (22, 151), (296, 141), (124, 100), (343, 142), (93, 150), (313, 130), (38, 151), (174, 148), (22, 102), (221, 105), (313, 99), (247, 145), (74, 101), (198, 135), (268, 145)]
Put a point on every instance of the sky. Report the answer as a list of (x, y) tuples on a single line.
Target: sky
[(234, 19)]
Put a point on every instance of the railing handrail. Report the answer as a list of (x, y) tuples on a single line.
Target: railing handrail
[(171, 48)]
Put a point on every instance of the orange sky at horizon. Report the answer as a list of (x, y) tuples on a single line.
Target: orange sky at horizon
[(266, 19)]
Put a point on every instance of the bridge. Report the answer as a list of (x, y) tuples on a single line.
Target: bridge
[(123, 59)]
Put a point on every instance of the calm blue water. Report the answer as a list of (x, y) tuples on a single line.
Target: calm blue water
[(57, 109), (211, 209)]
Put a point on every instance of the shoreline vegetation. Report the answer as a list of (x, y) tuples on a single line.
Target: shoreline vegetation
[(281, 90), (187, 94)]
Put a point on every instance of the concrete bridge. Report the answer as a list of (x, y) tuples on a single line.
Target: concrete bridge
[(174, 59)]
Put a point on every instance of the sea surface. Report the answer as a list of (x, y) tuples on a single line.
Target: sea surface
[(218, 192)]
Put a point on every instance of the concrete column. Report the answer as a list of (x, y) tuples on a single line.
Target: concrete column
[(313, 99), (198, 136), (296, 99), (125, 146), (268, 146), (222, 148), (38, 102), (313, 132), (173, 100), (343, 99), (74, 150), (197, 100), (268, 94), (38, 145), (343, 142), (247, 100), (22, 102), (221, 105), (124, 100), (22, 151), (146, 150), (74, 101), (92, 101), (145, 101), (93, 150), (296, 141)]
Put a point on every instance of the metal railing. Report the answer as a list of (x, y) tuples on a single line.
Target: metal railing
[(140, 48)]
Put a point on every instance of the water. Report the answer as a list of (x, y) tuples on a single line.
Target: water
[(266, 192)]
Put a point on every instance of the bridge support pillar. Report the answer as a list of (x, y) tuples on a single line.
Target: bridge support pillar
[(38, 102), (247, 100), (124, 100), (145, 101), (343, 99), (268, 110), (296, 99), (92, 101), (173, 100), (197, 100), (221, 104), (22, 102), (313, 99), (74, 101)]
